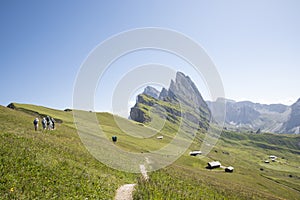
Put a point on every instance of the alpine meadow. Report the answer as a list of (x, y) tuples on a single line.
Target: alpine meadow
[(150, 100), (55, 164)]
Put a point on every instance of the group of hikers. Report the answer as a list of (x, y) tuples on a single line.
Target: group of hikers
[(48, 123)]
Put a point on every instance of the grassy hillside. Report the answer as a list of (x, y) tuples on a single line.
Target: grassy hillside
[(252, 178), (55, 164), (50, 164)]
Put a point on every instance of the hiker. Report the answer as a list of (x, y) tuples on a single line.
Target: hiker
[(36, 123), (49, 123), (53, 123), (44, 123)]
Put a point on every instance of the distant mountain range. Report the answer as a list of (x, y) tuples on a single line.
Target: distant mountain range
[(255, 117), (240, 116)]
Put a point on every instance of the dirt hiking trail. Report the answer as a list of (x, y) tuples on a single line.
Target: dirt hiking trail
[(125, 191)]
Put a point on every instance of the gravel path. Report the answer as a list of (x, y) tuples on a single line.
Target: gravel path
[(125, 192), (144, 172)]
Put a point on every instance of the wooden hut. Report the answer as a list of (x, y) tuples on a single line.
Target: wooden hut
[(195, 153), (229, 169), (213, 164)]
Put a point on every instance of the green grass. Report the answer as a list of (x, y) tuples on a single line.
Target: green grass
[(56, 165), (173, 183), (52, 164)]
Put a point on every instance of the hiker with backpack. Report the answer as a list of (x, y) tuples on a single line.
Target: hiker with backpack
[(49, 123), (44, 123), (53, 123), (36, 123)]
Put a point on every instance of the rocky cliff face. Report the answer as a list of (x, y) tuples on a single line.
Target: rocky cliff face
[(241, 114), (181, 101), (152, 92), (292, 125), (184, 89)]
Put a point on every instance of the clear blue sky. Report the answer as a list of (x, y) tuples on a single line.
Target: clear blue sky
[(254, 44)]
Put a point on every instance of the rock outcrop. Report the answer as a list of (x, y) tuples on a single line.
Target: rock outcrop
[(151, 91), (184, 89), (11, 106), (292, 125), (181, 101)]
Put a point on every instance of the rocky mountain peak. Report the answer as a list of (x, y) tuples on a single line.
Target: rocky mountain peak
[(152, 92), (186, 91), (297, 102), (182, 91), (163, 94), (292, 125)]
